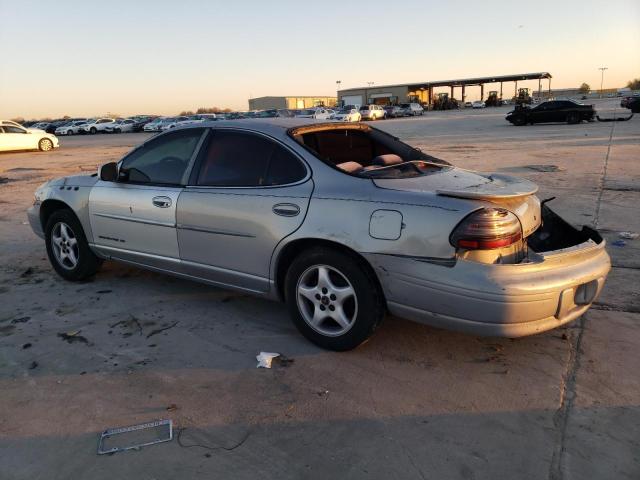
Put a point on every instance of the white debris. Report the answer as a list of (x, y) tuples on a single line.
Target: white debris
[(629, 235), (265, 359)]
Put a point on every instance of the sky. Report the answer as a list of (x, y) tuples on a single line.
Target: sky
[(87, 58)]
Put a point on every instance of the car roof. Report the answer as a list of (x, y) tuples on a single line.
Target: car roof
[(277, 127)]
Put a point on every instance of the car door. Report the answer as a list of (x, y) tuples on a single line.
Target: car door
[(134, 218), (16, 138), (246, 193), (539, 113)]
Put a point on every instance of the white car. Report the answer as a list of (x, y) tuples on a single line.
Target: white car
[(347, 115), (97, 125), (14, 136), (412, 109), (70, 128), (372, 112), (154, 125), (175, 122), (478, 104), (315, 113), (120, 126)]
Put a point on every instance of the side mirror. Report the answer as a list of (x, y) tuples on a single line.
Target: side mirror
[(108, 172)]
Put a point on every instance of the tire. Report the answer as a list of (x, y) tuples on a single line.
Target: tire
[(45, 145), (93, 130), (312, 305), (519, 121), (117, 130), (573, 118), (65, 241)]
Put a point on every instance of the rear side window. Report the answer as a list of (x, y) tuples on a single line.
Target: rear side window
[(239, 159)]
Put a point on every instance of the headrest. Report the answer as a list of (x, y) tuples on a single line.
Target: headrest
[(350, 167), (386, 160)]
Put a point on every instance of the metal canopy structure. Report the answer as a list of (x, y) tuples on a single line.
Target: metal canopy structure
[(423, 91)]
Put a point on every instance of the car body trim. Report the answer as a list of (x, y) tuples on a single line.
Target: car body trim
[(214, 231), (136, 220)]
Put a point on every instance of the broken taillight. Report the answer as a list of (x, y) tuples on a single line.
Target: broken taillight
[(487, 229)]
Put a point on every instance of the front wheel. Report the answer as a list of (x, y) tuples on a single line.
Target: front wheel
[(45, 145), (67, 247), (93, 130), (333, 301)]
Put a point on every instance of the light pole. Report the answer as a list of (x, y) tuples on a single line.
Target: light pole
[(602, 69), (367, 92)]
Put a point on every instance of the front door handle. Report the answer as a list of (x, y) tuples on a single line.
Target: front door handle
[(286, 209), (161, 202)]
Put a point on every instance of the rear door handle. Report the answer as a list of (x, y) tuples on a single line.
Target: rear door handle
[(286, 209), (161, 202)]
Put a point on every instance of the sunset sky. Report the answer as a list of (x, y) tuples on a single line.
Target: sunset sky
[(84, 58)]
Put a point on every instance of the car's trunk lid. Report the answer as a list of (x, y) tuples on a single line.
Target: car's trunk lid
[(456, 182), (514, 194)]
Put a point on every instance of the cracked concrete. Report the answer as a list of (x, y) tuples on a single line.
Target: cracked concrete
[(414, 402)]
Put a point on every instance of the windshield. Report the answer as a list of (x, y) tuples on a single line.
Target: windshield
[(366, 152)]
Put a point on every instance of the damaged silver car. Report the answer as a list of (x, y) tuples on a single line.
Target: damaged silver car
[(341, 221)]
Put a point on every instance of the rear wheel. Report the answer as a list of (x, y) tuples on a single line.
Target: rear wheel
[(332, 299), (573, 118), (45, 145), (67, 247)]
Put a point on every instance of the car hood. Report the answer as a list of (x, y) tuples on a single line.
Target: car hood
[(74, 181)]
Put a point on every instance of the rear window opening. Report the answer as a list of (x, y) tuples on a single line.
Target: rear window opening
[(556, 234), (366, 152)]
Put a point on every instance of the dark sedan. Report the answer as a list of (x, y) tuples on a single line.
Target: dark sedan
[(552, 111), (632, 103)]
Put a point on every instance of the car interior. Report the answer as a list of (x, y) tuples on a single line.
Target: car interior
[(366, 152)]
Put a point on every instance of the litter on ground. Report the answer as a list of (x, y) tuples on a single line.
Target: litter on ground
[(134, 437), (629, 235), (265, 359)]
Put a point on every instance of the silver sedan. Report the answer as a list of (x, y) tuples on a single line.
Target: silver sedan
[(341, 221)]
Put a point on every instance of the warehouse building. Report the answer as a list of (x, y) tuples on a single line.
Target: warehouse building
[(279, 103), (423, 92)]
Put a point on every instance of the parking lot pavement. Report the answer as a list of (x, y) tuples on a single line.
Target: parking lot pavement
[(413, 402)]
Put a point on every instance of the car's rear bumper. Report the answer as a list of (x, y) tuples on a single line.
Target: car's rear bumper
[(495, 300)]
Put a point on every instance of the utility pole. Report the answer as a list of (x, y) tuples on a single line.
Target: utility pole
[(602, 69)]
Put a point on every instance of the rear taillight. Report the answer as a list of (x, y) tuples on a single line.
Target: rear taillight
[(487, 229)]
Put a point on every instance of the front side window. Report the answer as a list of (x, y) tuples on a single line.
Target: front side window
[(163, 160), (238, 159)]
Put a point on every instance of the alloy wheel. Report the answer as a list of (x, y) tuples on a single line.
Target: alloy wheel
[(327, 301), (65, 246)]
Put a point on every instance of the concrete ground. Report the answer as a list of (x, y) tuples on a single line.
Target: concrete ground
[(414, 402)]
